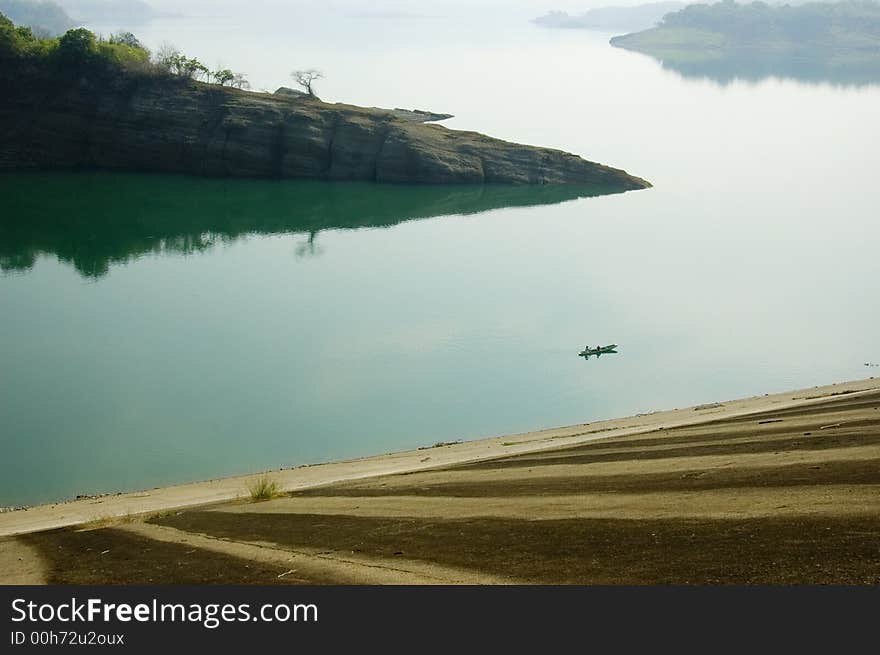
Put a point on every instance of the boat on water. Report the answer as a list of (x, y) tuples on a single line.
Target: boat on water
[(588, 352)]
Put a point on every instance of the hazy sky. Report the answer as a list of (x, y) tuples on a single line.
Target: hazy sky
[(388, 7)]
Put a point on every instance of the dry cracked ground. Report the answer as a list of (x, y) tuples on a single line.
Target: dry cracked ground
[(790, 496)]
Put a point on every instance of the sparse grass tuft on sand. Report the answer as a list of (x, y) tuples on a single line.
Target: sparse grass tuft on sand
[(263, 489), (107, 521)]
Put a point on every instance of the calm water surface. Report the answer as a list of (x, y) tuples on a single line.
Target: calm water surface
[(157, 330)]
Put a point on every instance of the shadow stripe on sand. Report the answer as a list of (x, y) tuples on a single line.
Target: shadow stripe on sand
[(806, 419), (852, 437), (723, 431), (855, 472), (117, 556), (778, 550)]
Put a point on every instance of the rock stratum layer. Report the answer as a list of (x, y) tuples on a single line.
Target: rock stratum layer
[(149, 123)]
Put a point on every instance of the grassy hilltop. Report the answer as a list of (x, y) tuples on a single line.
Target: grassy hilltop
[(821, 40)]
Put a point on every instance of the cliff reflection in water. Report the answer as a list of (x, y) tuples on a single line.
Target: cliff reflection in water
[(94, 220)]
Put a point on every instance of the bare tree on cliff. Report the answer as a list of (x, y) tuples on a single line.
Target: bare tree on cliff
[(305, 78), (164, 55), (127, 39), (240, 82)]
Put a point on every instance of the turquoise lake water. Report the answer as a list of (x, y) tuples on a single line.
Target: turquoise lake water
[(157, 329)]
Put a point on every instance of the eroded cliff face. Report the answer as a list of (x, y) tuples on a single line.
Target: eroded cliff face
[(172, 125)]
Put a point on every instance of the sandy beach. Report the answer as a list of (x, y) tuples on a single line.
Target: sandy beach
[(780, 489)]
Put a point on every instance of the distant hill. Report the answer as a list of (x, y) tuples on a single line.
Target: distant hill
[(44, 17), (718, 30), (611, 19), (822, 41)]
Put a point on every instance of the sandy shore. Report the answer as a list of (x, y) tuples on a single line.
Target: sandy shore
[(105, 509), (780, 489)]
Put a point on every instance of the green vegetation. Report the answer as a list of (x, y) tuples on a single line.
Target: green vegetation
[(171, 60), (43, 16), (815, 24), (79, 50), (262, 489), (20, 42), (75, 49), (813, 41), (711, 30)]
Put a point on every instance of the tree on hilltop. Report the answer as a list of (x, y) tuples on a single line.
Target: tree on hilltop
[(240, 82), (223, 76), (77, 45), (126, 39), (305, 78)]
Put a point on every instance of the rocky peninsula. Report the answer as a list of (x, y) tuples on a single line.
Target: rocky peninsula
[(177, 125)]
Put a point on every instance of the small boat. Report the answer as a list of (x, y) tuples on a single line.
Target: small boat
[(588, 352)]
